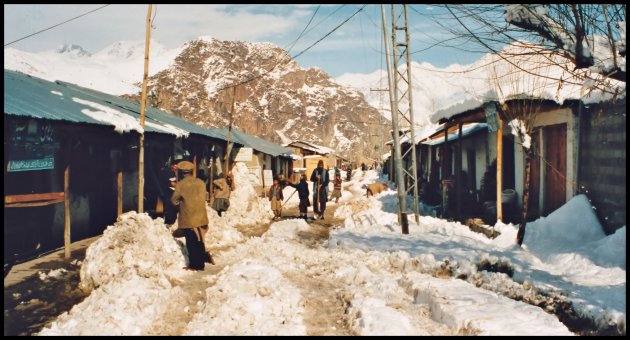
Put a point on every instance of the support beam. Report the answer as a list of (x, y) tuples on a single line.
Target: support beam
[(500, 170), (66, 206), (143, 102), (119, 205), (195, 166), (458, 169)]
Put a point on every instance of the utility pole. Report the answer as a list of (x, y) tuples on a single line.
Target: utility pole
[(400, 183), (143, 101), (402, 91), (227, 148)]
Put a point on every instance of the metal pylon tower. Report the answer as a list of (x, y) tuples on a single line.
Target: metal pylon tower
[(402, 111)]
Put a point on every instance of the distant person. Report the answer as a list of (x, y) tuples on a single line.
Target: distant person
[(229, 179), (190, 196), (222, 193), (348, 173), (336, 188), (302, 189), (337, 172), (320, 180), (276, 197)]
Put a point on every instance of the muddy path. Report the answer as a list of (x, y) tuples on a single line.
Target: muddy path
[(30, 303)]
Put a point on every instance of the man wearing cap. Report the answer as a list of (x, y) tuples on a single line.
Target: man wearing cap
[(190, 196)]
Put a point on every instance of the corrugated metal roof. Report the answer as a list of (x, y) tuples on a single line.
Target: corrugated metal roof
[(29, 96), (255, 142)]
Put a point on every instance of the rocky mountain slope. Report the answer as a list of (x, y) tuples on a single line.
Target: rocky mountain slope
[(275, 97)]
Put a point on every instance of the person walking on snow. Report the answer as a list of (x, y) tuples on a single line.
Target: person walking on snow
[(222, 193), (276, 197), (190, 196), (336, 188), (320, 180), (302, 189)]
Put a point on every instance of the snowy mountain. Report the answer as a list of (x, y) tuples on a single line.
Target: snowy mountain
[(117, 69), (275, 96)]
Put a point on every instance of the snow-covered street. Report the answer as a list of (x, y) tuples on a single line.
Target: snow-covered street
[(355, 275)]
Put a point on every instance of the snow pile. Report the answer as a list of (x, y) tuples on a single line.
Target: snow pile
[(250, 298), (220, 234), (570, 242), (353, 193), (376, 318), (466, 308), (373, 291), (606, 251), (122, 307), (568, 228), (562, 258), (246, 207), (355, 274), (55, 273), (287, 230), (135, 246)]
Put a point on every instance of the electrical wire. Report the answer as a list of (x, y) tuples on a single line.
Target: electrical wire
[(294, 57), (51, 27)]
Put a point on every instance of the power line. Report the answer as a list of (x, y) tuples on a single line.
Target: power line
[(297, 55), (305, 27), (329, 33), (51, 27)]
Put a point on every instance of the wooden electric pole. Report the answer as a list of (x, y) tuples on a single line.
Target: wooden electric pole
[(227, 147), (143, 101)]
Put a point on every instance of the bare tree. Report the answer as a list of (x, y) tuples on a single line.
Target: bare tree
[(592, 36), (523, 95)]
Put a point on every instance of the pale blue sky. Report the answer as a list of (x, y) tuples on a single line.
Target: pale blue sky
[(355, 47)]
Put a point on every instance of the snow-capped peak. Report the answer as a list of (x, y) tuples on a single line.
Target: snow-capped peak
[(73, 50)]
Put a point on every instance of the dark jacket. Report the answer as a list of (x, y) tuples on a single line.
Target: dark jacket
[(325, 179), (302, 188), (278, 189)]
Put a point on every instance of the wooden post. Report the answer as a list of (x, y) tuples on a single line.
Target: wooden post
[(227, 147), (458, 165), (445, 159), (211, 179), (528, 174), (119, 207), (142, 109), (500, 170), (194, 166), (66, 206)]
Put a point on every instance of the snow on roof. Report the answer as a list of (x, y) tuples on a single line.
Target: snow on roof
[(311, 146), (420, 133), (467, 129), (528, 74)]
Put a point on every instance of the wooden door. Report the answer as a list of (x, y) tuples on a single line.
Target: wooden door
[(533, 210), (555, 167)]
